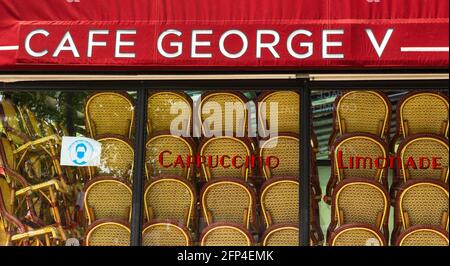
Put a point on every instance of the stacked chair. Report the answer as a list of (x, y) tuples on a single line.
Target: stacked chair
[(356, 204), (107, 195), (228, 195), (228, 209), (36, 198), (170, 197), (358, 195), (286, 147), (420, 195)]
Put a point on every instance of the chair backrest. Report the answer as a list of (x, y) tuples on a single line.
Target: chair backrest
[(7, 194), (357, 235), (165, 108), (228, 200), (7, 157), (117, 157), (106, 197), (352, 114), (424, 146), (32, 125), (168, 147), (169, 198), (109, 113), (360, 201), (165, 234), (225, 234), (9, 224), (423, 202), (216, 147), (108, 233), (285, 147), (280, 200), (364, 149), (423, 112), (11, 122), (288, 105), (281, 235), (232, 107), (423, 236)]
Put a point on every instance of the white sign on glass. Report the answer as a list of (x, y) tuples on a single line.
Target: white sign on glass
[(80, 151)]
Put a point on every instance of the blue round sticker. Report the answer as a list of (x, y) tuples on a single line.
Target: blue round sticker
[(80, 152)]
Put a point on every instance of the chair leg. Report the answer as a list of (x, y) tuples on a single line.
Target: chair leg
[(56, 213)]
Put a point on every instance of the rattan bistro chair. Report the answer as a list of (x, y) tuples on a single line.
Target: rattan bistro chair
[(216, 147), (286, 147), (116, 159), (108, 232), (357, 235), (280, 201), (106, 197), (22, 129), (12, 229), (421, 202), (423, 236), (167, 107), (25, 198), (358, 147), (423, 145), (229, 103), (226, 234), (281, 235), (170, 198), (165, 233), (416, 147), (228, 200), (360, 201), (109, 113), (288, 106), (422, 112), (170, 147), (14, 211), (361, 111)]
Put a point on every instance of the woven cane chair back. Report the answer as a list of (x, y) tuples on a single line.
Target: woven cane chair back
[(284, 235), (286, 148), (423, 236), (109, 113), (357, 235), (232, 106), (424, 146), (288, 106), (423, 112), (106, 197), (362, 202), (280, 201), (225, 235), (165, 234), (228, 200), (117, 157), (359, 147), (170, 199), (108, 233), (424, 203), (217, 147), (175, 146), (165, 108), (354, 115)]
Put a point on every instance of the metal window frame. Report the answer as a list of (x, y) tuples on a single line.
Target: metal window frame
[(303, 83), (142, 87)]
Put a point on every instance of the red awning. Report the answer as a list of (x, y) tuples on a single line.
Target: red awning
[(106, 34)]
